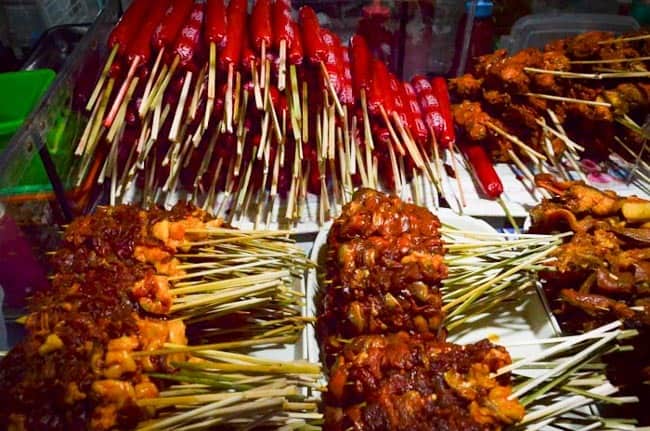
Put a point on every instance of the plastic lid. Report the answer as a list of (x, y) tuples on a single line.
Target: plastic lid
[(483, 8)]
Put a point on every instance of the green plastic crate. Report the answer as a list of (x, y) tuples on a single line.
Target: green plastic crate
[(20, 92)]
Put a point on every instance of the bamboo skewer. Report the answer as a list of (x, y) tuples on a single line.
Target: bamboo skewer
[(624, 39), (576, 75)]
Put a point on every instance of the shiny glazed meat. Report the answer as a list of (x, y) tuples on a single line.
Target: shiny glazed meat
[(412, 382)]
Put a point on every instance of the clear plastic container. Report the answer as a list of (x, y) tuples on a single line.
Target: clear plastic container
[(538, 29)]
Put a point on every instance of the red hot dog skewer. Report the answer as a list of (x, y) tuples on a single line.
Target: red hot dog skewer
[(261, 33), (162, 39), (186, 51), (118, 41), (440, 91), (216, 28), (284, 36), (231, 54), (138, 52)]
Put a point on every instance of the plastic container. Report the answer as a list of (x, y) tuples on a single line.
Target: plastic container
[(21, 92), (538, 29)]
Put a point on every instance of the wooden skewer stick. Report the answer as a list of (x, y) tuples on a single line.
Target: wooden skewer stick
[(569, 143), (305, 111), (534, 155), (86, 133), (257, 90), (391, 131), (408, 142), (178, 116), (103, 104), (569, 99), (228, 102), (610, 60), (212, 84), (330, 88), (236, 107), (199, 88), (121, 114), (102, 78), (119, 99), (624, 39), (150, 81), (459, 183), (576, 75), (282, 67), (156, 97)]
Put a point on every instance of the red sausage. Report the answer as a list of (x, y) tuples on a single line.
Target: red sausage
[(333, 62), (189, 40), (416, 123), (295, 48), (482, 166), (311, 35), (215, 23), (421, 84), (440, 90), (360, 64), (283, 28), (127, 27), (347, 94), (237, 14), (140, 46), (378, 85), (261, 24), (167, 31)]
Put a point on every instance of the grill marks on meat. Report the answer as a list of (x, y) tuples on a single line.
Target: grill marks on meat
[(380, 327), (75, 369)]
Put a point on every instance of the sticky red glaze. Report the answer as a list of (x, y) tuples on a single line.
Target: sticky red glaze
[(282, 25), (347, 93), (188, 42), (416, 122), (216, 26), (167, 31), (482, 165), (379, 84), (441, 92), (333, 61), (140, 46), (295, 49), (127, 28), (236, 35), (312, 38), (360, 64), (261, 30)]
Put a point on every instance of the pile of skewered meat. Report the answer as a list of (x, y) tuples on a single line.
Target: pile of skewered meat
[(590, 91), (381, 329), (240, 112), (110, 297), (135, 297), (602, 272)]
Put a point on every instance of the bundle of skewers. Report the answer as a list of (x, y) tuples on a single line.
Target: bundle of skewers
[(255, 115), (151, 322), (543, 110), (600, 274), (384, 311)]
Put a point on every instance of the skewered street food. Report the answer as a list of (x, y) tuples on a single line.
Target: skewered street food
[(75, 368), (602, 272), (127, 288), (401, 381), (384, 266), (381, 329), (562, 85)]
